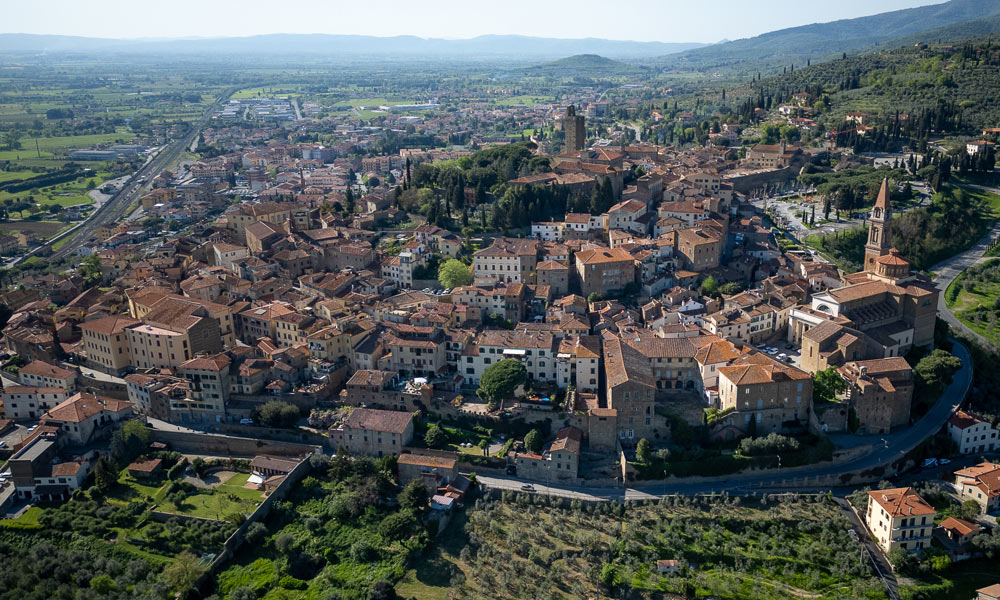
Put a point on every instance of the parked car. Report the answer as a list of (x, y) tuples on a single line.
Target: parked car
[(928, 463), (528, 487), (782, 357), (944, 461), (246, 421)]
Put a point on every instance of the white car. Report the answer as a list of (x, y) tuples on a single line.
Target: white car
[(944, 461), (782, 357)]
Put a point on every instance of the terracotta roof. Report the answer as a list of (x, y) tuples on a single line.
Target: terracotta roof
[(567, 439), (901, 502), (963, 420), (378, 420), (80, 407), (960, 526), (420, 460), (109, 325), (43, 369), (603, 255)]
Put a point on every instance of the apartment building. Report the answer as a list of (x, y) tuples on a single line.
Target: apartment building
[(23, 403), (764, 395), (899, 518), (39, 373), (509, 260), (106, 342)]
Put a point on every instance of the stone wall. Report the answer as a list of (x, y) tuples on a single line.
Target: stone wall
[(232, 544), (224, 445)]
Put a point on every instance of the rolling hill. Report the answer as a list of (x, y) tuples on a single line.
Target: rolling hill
[(583, 65), (823, 41)]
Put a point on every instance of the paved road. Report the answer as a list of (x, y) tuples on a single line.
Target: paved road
[(878, 560), (894, 446), (947, 270)]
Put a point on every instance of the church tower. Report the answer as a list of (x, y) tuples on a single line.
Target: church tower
[(878, 237)]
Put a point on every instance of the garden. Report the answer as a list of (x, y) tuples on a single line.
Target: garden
[(346, 531)]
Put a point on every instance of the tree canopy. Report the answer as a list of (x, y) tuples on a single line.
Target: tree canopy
[(454, 273), (501, 379)]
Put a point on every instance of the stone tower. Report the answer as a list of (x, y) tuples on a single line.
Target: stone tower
[(576, 133), (878, 236)]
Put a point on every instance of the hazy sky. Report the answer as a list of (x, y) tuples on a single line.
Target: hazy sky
[(645, 20)]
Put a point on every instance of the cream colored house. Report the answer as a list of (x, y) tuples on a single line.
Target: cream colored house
[(900, 518)]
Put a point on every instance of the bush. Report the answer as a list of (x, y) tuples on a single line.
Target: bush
[(436, 437), (362, 551), (773, 443), (276, 413), (290, 583)]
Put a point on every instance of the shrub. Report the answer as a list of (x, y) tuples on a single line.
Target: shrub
[(772, 443), (290, 583)]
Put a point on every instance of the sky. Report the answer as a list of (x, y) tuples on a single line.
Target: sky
[(640, 20)]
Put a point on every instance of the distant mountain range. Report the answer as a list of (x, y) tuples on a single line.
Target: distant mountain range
[(821, 41), (487, 46)]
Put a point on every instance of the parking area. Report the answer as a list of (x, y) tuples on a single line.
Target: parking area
[(12, 437), (780, 349)]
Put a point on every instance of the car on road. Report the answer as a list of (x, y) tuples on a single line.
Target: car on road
[(246, 421), (3, 444), (528, 487), (929, 462), (944, 461)]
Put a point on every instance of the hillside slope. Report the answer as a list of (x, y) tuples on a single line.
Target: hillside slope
[(956, 84), (822, 41)]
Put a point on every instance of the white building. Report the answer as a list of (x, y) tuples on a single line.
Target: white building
[(972, 435)]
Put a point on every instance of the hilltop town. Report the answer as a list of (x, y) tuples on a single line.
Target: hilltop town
[(573, 333)]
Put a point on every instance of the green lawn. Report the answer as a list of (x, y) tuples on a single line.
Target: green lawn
[(29, 520), (226, 499), (976, 304)]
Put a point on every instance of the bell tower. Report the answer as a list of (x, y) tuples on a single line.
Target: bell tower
[(878, 222)]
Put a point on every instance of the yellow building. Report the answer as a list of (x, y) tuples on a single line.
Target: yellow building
[(106, 342), (900, 518)]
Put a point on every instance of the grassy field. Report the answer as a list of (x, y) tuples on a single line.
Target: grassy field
[(228, 497), (973, 298), (49, 147), (524, 100)]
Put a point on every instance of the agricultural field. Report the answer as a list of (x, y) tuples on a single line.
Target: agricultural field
[(43, 229), (521, 546), (526, 100)]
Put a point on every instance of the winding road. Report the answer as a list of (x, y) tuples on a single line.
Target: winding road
[(894, 446), (947, 270)]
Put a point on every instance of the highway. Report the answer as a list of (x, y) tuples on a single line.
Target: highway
[(114, 209)]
